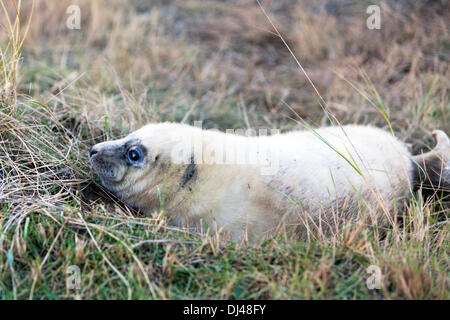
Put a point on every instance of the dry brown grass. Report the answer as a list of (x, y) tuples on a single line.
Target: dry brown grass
[(133, 63)]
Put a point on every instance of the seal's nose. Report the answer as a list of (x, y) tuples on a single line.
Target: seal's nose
[(92, 152)]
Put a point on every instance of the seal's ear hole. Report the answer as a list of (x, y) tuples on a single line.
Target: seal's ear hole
[(157, 157)]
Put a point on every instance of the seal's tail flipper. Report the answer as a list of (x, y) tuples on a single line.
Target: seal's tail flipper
[(432, 169)]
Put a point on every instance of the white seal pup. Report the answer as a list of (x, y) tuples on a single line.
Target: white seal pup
[(249, 185)]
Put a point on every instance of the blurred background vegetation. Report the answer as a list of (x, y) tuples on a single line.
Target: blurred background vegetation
[(142, 61)]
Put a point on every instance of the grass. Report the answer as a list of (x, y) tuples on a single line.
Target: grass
[(133, 63)]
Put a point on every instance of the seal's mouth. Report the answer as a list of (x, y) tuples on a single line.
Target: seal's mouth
[(107, 169)]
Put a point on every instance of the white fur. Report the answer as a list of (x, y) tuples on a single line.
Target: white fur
[(311, 179)]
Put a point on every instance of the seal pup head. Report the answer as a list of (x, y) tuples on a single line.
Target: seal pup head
[(134, 167), (116, 162), (124, 165)]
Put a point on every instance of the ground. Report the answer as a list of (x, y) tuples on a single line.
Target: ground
[(221, 62)]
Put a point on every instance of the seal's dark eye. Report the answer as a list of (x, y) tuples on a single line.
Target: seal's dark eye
[(134, 155)]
